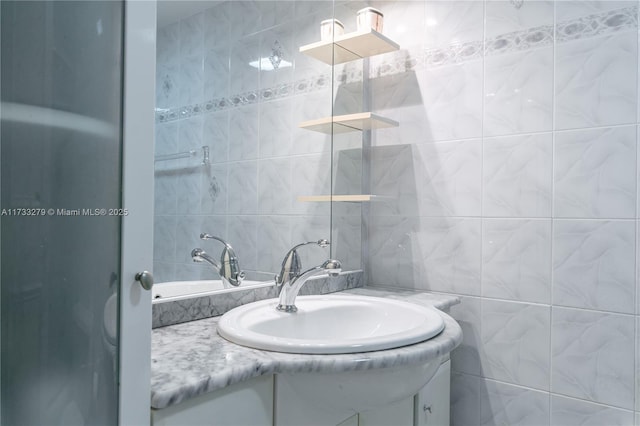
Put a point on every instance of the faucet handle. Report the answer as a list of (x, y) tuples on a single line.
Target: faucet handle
[(323, 243), (230, 267), (332, 267), (291, 267), (196, 254)]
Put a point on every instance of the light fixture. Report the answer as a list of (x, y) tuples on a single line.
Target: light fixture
[(274, 61), (265, 64)]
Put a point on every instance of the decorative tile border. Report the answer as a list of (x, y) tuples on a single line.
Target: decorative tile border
[(532, 38), (453, 54), (312, 84), (598, 24), (403, 61), (586, 27)]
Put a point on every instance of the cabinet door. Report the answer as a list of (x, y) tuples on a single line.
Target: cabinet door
[(432, 402), (397, 414), (242, 404), (293, 408)]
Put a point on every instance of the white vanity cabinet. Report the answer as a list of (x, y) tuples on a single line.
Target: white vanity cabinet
[(263, 402), (430, 407)]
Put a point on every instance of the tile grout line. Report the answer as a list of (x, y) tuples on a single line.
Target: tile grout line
[(528, 388), (482, 189), (553, 207), (539, 304), (636, 324), (482, 144)]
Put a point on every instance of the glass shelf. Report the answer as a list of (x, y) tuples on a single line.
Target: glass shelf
[(356, 198), (350, 47), (349, 123)]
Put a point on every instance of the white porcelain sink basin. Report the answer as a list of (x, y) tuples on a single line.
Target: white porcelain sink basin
[(331, 324)]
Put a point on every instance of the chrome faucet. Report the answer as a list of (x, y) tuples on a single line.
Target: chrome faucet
[(228, 268), (291, 279)]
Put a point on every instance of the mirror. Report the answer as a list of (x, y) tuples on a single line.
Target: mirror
[(230, 78)]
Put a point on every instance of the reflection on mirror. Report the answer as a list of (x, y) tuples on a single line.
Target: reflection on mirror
[(230, 77), (229, 266), (178, 290)]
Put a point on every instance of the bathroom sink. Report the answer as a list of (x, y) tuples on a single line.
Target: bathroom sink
[(330, 324)]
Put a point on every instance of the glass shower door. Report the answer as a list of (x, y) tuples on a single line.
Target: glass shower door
[(60, 170)]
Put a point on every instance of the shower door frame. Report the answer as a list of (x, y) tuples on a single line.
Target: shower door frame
[(137, 197)]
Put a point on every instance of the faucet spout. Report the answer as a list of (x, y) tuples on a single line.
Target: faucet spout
[(291, 288)]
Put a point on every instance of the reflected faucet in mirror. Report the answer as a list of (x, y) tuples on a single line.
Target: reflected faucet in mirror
[(291, 279), (228, 268)]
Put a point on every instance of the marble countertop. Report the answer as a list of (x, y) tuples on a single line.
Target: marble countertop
[(191, 359)]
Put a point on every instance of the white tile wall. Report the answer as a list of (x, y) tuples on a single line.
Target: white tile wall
[(244, 77), (244, 126), (274, 235), (452, 101), (243, 231), (274, 173), (449, 23), (190, 134), (594, 264), (505, 404), (276, 124), (596, 81), (449, 249), (593, 356), (503, 18), (217, 26), (570, 10), (516, 259), (243, 188), (595, 173), (449, 178), (517, 173), (515, 343), (216, 127), (518, 92), (574, 412), (214, 188), (216, 71), (511, 180), (192, 36)]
